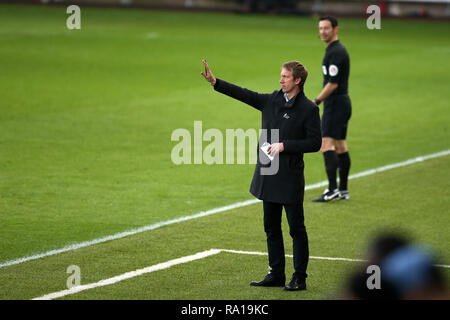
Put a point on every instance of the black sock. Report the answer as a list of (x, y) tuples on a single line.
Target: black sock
[(344, 168), (331, 165)]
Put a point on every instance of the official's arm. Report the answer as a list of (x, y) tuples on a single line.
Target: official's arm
[(326, 92)]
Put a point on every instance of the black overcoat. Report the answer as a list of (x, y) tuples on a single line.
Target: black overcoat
[(298, 124)]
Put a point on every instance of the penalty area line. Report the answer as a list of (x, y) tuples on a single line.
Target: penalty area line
[(209, 212), (169, 264), (129, 275)]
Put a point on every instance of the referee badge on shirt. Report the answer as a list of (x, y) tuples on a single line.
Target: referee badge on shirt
[(333, 70)]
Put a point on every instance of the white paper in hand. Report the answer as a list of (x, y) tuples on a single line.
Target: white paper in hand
[(264, 148)]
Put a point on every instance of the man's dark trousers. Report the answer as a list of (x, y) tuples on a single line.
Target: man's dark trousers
[(275, 245)]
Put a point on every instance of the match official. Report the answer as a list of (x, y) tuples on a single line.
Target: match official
[(297, 120), (336, 113)]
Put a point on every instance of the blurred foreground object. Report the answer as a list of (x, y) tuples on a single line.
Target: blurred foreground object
[(408, 272)]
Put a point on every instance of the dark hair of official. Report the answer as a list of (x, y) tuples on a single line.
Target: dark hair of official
[(333, 20), (298, 71)]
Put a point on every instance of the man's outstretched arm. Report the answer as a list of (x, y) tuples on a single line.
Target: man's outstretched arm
[(252, 98)]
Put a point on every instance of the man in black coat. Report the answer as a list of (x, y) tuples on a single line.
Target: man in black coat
[(291, 125)]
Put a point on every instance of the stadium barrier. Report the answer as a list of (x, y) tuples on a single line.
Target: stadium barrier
[(427, 9)]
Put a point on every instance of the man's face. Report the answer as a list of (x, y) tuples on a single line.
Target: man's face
[(287, 81), (327, 32)]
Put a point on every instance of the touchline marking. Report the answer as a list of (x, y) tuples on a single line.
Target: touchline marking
[(171, 263), (119, 235), (127, 233)]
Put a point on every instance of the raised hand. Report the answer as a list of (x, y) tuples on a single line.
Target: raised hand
[(208, 74)]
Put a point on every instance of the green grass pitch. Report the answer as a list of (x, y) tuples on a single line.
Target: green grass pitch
[(86, 118)]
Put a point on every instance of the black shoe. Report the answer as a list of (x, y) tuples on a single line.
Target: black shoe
[(327, 195), (296, 284), (270, 281)]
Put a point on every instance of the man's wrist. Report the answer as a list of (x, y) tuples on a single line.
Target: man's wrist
[(317, 101)]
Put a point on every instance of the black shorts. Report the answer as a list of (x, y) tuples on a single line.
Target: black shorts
[(336, 113)]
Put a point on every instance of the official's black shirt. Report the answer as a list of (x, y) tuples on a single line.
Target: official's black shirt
[(336, 67)]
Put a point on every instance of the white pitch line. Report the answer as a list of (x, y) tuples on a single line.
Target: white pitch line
[(207, 213), (129, 275), (171, 263), (157, 267), (257, 253), (290, 256), (127, 233)]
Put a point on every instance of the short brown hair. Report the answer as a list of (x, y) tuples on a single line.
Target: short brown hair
[(333, 20), (298, 71)]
